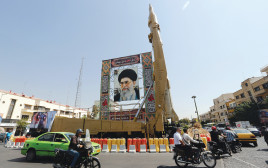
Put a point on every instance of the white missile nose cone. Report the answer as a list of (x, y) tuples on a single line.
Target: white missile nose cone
[(151, 8)]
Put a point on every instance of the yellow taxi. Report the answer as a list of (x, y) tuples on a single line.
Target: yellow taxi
[(245, 136)]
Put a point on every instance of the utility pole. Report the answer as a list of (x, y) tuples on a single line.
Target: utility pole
[(77, 102), (196, 107)]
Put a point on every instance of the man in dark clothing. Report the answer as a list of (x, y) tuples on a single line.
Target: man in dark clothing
[(74, 146), (127, 80), (214, 134), (215, 137)]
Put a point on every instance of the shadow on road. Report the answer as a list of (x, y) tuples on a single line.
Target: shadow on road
[(262, 150), (43, 160), (177, 167), (247, 145), (266, 161)]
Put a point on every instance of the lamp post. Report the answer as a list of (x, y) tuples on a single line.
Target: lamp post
[(196, 107)]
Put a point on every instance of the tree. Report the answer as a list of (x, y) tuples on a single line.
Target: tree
[(248, 111), (184, 122), (21, 126)]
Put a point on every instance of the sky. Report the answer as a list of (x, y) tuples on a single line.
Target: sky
[(210, 46)]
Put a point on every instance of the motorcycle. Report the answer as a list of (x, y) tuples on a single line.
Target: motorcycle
[(198, 156), (63, 159), (220, 150), (235, 146)]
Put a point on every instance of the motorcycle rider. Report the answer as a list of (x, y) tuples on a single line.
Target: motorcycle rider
[(215, 137), (179, 144), (230, 136), (74, 146), (187, 141)]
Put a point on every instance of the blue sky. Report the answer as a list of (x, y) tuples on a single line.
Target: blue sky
[(210, 45)]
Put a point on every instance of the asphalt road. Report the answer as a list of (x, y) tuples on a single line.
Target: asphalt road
[(250, 157)]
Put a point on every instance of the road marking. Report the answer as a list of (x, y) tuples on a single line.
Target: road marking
[(221, 162), (245, 162)]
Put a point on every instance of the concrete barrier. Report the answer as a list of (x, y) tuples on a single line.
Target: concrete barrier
[(105, 148), (163, 148), (12, 145), (122, 149), (22, 144), (152, 149), (114, 149), (132, 148), (17, 145), (142, 148)]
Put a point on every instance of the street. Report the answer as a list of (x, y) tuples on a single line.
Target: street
[(250, 157)]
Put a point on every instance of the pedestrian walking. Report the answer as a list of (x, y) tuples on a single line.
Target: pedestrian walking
[(8, 135)]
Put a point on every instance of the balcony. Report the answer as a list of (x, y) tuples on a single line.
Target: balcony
[(27, 111)]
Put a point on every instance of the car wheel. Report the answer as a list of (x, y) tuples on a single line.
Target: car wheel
[(30, 155), (255, 144)]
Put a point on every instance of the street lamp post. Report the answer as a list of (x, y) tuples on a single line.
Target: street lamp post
[(196, 107)]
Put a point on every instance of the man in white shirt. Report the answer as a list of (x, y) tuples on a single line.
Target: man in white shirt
[(177, 138), (178, 141)]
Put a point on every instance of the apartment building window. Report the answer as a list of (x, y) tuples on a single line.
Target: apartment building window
[(41, 108), (222, 114), (223, 106), (242, 95), (257, 89), (249, 93), (237, 97), (26, 106), (259, 98), (47, 109), (246, 84), (62, 112), (25, 117), (265, 86), (11, 108)]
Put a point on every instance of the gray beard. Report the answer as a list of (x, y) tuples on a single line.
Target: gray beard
[(126, 94)]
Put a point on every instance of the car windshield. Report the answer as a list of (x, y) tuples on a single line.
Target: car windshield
[(242, 131), (69, 135), (253, 129)]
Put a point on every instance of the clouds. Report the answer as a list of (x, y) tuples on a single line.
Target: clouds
[(185, 5)]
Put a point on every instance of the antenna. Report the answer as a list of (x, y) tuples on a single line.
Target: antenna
[(77, 102)]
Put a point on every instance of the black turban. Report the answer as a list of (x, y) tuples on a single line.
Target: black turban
[(130, 73)]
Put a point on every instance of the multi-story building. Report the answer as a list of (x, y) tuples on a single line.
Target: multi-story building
[(15, 106), (205, 117), (253, 89), (219, 111)]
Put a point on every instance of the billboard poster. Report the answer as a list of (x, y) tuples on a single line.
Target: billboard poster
[(126, 84), (123, 61), (42, 120), (127, 115), (263, 116)]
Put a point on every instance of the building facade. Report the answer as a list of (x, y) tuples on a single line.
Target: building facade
[(219, 111), (14, 107), (253, 89)]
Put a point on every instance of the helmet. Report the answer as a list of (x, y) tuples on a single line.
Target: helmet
[(79, 131), (213, 128)]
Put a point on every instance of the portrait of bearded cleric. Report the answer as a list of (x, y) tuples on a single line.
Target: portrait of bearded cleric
[(127, 87)]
